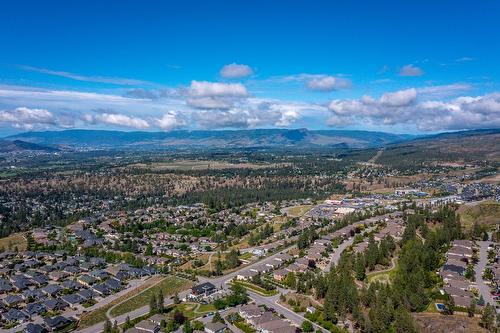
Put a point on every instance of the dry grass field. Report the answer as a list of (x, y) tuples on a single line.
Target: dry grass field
[(484, 212), (297, 211), (14, 241)]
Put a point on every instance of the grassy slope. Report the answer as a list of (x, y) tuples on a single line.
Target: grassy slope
[(15, 240), (485, 212)]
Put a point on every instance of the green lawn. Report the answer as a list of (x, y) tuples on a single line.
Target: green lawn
[(256, 289), (169, 285), (205, 308), (298, 211), (384, 276), (432, 307), (187, 309), (244, 326), (246, 256)]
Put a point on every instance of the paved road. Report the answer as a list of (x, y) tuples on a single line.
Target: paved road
[(484, 289), (335, 258), (218, 281)]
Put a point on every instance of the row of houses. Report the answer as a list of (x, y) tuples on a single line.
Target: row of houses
[(277, 262), (456, 285), (317, 254), (35, 283), (265, 321)]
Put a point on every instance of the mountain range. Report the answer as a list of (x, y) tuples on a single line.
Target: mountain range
[(257, 138), (231, 139)]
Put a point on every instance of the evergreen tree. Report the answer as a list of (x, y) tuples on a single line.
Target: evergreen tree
[(149, 250), (187, 327), (471, 309), (290, 280), (107, 326), (307, 326), (360, 267), (371, 253), (232, 260), (217, 318), (170, 327), (198, 325), (218, 267), (153, 305), (488, 317), (449, 305), (403, 322), (160, 302)]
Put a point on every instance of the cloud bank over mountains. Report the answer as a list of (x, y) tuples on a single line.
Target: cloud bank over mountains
[(229, 103)]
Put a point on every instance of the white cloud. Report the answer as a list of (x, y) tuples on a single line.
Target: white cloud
[(405, 107), (78, 77), (316, 82), (27, 118), (170, 121), (120, 120), (219, 105), (233, 71), (216, 89), (411, 70), (215, 95), (253, 113), (210, 103), (465, 59), (443, 91), (328, 83), (399, 98), (141, 93)]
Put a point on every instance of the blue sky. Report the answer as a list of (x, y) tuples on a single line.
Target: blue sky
[(395, 66)]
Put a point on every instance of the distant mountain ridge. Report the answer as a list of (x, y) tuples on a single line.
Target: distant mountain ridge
[(258, 138), (7, 146), (474, 145)]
